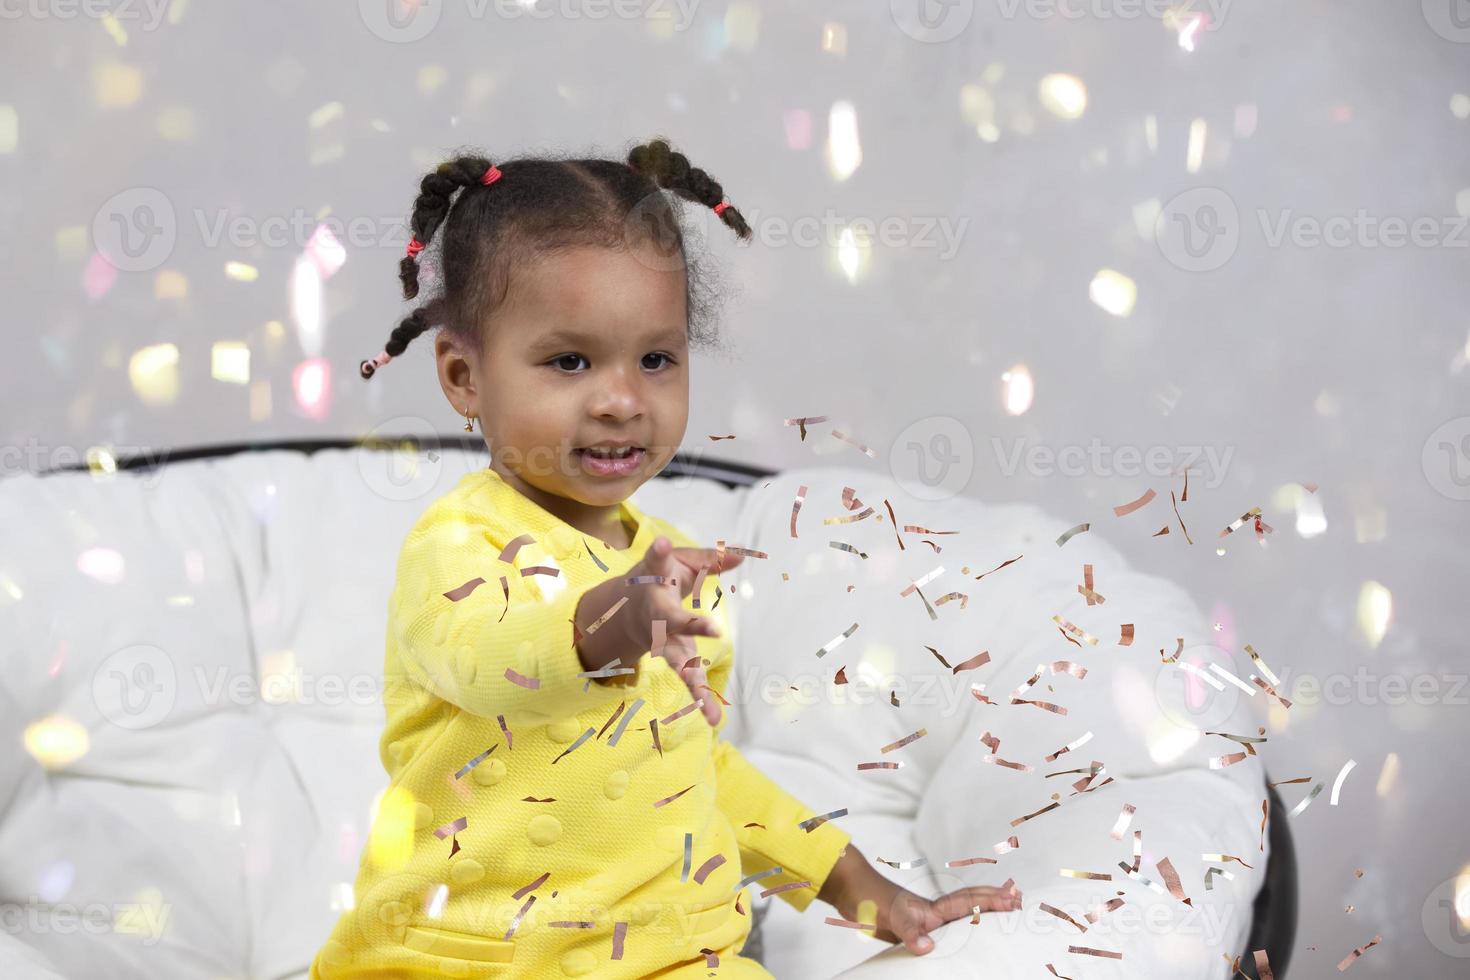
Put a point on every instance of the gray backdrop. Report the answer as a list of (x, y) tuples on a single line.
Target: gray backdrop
[(1248, 258)]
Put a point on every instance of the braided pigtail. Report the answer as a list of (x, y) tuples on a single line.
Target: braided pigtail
[(671, 171), (429, 211)]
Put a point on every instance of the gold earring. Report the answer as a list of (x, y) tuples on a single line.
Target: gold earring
[(469, 423)]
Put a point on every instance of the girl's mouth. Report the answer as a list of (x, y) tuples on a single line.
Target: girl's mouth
[(609, 462)]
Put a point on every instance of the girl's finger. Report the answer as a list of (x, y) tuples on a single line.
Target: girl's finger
[(964, 902)]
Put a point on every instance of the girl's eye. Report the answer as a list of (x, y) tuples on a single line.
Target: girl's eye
[(561, 361), (666, 358)]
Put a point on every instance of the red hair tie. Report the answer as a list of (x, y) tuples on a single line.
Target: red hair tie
[(491, 175), (414, 246), (720, 208)]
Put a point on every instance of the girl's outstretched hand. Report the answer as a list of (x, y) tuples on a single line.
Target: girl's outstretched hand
[(860, 893), (679, 568), (629, 633)]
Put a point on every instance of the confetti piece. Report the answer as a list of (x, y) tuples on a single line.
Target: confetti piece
[(1007, 845), (1160, 532), (1085, 875), (1341, 775), (751, 878), (1086, 588), (508, 553), (670, 799), (1068, 535), (997, 568), (1270, 691), (529, 683), (1078, 742), (849, 518), (966, 862), (475, 762), (841, 546), (718, 438), (1055, 973), (650, 580), (996, 760), (1123, 510), (991, 741), (1062, 915), (1263, 965), (570, 748), (1067, 627), (1171, 881), (1124, 819), (849, 924), (501, 719), (905, 740), (1032, 816), (526, 889), (632, 710), (812, 823), (803, 422), (1176, 511), (1089, 951), (934, 573), (853, 442), (1210, 874), (454, 595), (593, 555), (732, 549), (1125, 639), (978, 660), (1261, 665), (1068, 667), (1096, 914), (832, 644), (903, 865), (950, 596), (1177, 652), (916, 529), (516, 922), (612, 610), (898, 537), (688, 850), (1220, 762), (792, 886), (1240, 521), (1352, 957), (709, 866), (1297, 810), (540, 570), (1141, 879), (879, 765), (1225, 857), (450, 829), (796, 507)]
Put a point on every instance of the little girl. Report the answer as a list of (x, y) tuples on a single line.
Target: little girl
[(557, 804)]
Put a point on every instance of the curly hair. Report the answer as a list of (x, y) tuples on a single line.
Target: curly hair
[(512, 212)]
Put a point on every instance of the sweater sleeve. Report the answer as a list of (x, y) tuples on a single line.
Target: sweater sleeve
[(747, 796), (466, 649)]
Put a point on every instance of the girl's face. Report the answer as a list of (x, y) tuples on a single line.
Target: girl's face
[(590, 346)]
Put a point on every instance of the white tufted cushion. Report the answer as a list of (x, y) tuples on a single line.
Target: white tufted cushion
[(235, 821)]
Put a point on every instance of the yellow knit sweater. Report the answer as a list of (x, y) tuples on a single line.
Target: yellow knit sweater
[(532, 825)]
